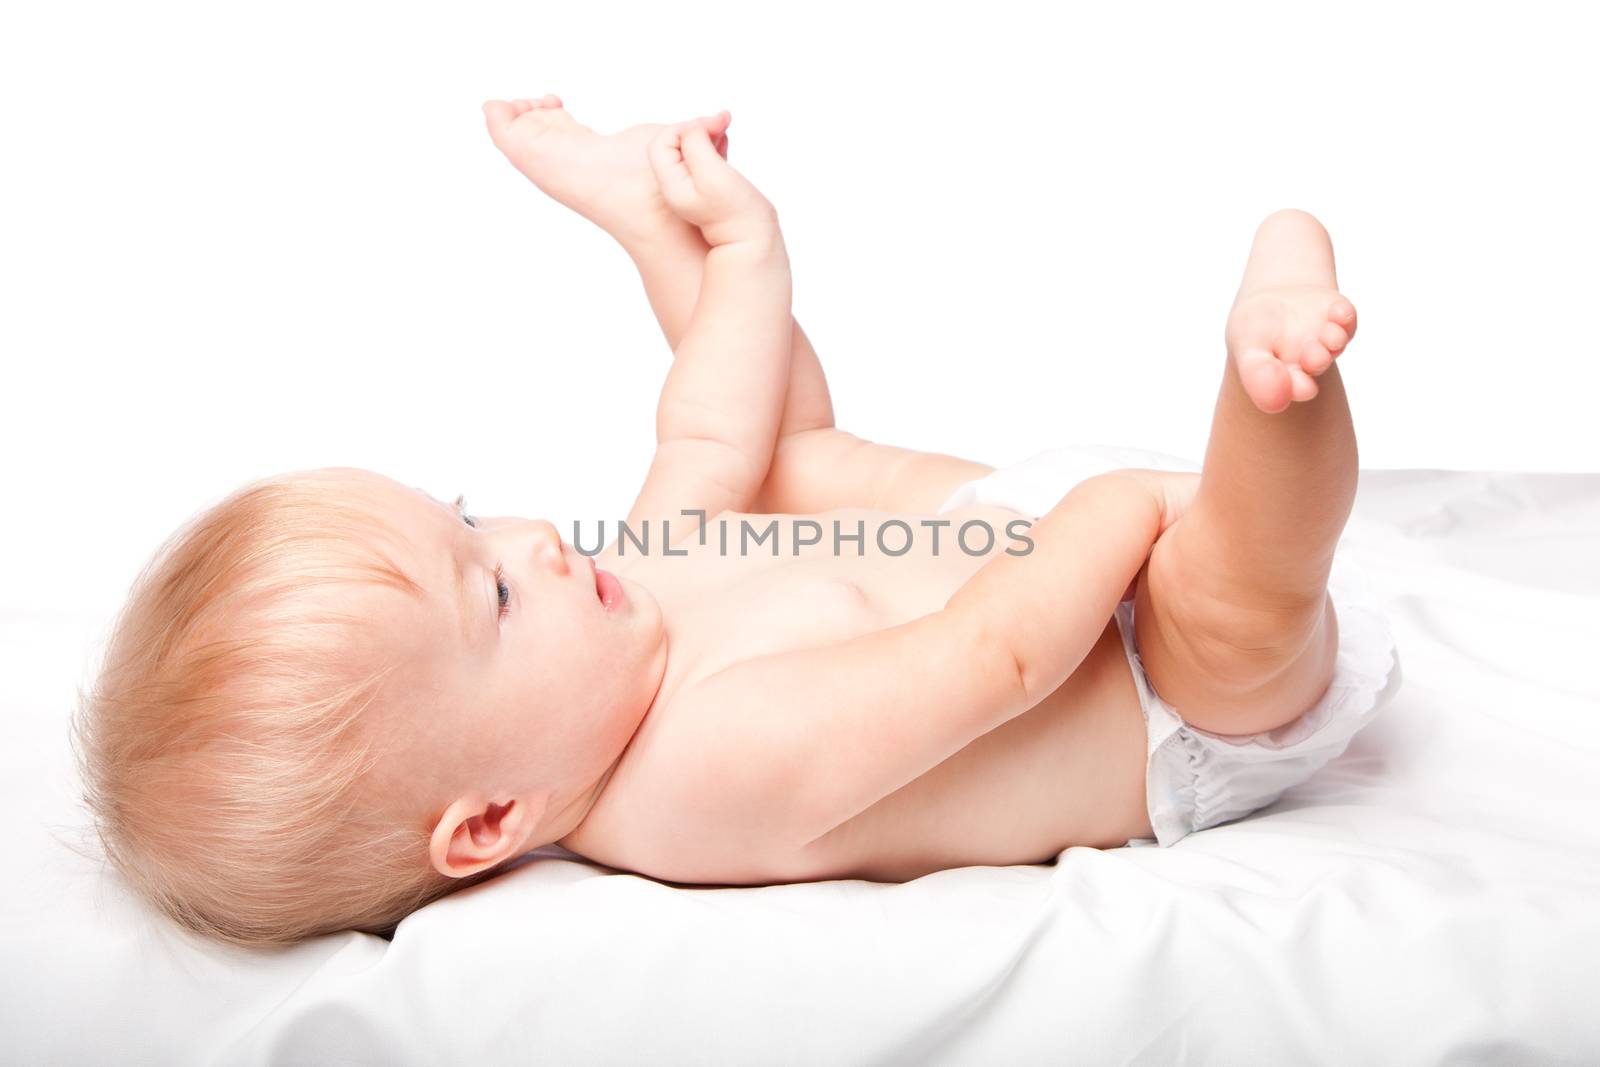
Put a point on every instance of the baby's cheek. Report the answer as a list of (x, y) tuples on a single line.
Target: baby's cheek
[(434, 751)]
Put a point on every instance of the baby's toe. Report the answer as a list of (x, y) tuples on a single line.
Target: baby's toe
[(1343, 313), (1265, 379), (499, 113), (1333, 337), (1315, 357), (1302, 385)]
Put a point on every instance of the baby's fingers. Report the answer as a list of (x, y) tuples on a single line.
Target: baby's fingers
[(695, 180), (665, 153), (704, 144)]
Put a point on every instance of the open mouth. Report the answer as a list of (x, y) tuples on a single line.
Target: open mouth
[(607, 588)]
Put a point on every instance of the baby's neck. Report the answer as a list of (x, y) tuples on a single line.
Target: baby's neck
[(573, 816)]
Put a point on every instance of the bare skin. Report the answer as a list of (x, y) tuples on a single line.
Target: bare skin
[(1253, 633), (1229, 577)]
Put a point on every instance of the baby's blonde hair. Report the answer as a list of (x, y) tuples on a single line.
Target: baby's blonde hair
[(224, 744)]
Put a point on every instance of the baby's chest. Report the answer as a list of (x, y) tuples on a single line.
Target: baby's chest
[(858, 571), (775, 611)]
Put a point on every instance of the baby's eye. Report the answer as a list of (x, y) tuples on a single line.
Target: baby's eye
[(503, 589), (461, 506)]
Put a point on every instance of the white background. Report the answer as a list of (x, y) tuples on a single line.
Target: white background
[(240, 239)]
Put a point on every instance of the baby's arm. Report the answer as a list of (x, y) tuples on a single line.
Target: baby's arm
[(785, 747), (720, 408), (813, 466)]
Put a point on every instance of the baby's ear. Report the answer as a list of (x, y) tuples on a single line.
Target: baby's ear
[(475, 833)]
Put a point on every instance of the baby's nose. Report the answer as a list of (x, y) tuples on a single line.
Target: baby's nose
[(547, 543)]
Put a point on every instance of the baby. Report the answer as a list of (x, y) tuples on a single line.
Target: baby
[(333, 698)]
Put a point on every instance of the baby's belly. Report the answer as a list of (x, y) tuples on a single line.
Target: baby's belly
[(1068, 772)]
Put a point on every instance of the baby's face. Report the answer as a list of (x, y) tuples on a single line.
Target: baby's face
[(515, 668)]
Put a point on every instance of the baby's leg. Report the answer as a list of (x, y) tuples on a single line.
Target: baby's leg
[(607, 180), (1233, 621)]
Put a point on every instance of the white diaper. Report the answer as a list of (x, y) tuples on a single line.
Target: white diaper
[(1195, 779)]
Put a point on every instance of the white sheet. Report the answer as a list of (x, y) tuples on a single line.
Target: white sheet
[(1433, 895)]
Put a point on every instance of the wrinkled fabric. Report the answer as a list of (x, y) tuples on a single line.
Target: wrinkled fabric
[(1427, 897)]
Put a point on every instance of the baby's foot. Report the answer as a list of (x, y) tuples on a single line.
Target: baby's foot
[(606, 179), (1289, 321)]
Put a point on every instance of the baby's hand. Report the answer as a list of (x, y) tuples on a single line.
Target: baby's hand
[(1173, 492), (701, 188)]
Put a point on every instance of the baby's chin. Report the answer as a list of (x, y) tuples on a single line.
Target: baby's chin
[(640, 603)]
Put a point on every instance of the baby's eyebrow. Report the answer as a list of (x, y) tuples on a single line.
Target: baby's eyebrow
[(458, 575), (463, 606)]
